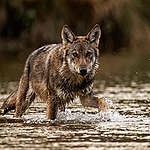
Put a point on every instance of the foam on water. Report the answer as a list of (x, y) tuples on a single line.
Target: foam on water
[(82, 116), (89, 118), (78, 117)]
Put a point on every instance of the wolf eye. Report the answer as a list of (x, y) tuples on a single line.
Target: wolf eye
[(88, 54), (75, 54)]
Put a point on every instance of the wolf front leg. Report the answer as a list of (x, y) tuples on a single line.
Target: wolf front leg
[(52, 108), (93, 101)]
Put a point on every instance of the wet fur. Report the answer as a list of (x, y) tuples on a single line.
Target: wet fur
[(48, 75)]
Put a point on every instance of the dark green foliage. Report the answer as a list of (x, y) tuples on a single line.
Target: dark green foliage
[(142, 8), (32, 23)]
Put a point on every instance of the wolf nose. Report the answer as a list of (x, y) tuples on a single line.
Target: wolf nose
[(83, 71)]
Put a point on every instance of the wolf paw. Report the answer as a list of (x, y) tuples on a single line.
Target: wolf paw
[(102, 105)]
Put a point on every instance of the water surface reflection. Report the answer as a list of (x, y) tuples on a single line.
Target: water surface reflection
[(126, 125)]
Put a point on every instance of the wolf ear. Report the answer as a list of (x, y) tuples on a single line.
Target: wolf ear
[(67, 35), (94, 35)]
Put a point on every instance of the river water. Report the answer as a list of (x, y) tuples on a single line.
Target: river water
[(125, 126)]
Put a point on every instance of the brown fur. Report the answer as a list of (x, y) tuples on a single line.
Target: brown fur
[(58, 73)]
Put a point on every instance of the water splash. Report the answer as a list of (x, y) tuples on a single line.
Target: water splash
[(89, 118), (77, 117), (81, 115)]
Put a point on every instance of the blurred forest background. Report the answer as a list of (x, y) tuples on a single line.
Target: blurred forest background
[(25, 25)]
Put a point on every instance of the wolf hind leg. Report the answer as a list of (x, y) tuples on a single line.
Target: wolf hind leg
[(29, 99), (22, 90), (21, 96), (21, 108)]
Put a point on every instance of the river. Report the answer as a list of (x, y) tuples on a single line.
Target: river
[(124, 126)]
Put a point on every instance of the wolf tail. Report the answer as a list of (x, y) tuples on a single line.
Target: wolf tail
[(10, 102)]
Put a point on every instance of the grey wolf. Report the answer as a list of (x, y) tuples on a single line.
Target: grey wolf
[(58, 73)]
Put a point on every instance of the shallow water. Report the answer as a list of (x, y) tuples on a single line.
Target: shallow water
[(126, 125)]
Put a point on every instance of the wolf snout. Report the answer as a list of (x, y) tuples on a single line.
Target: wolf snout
[(83, 71)]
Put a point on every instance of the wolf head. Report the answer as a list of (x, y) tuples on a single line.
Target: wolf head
[(81, 52)]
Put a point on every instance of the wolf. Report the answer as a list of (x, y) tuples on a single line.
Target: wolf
[(59, 73)]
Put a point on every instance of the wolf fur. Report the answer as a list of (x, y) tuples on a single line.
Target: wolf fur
[(58, 73)]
